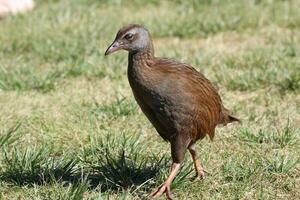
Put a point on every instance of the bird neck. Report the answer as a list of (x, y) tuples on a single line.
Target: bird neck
[(138, 63), (145, 54)]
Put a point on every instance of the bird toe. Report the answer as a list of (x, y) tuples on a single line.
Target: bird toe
[(161, 190)]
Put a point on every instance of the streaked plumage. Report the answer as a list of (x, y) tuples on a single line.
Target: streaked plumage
[(180, 102)]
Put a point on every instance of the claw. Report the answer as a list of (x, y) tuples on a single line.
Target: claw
[(165, 188), (201, 174)]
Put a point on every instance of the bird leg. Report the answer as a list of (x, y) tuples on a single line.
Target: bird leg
[(197, 164), (165, 188), (179, 145)]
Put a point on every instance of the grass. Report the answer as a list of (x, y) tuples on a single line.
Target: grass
[(71, 129)]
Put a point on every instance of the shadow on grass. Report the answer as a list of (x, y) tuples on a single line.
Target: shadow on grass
[(110, 163), (114, 163), (118, 174)]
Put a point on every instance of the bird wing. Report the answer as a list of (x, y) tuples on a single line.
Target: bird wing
[(194, 95)]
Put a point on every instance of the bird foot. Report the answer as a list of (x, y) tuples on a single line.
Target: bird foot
[(165, 188), (199, 175)]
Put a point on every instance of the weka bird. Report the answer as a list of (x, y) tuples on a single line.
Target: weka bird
[(180, 102)]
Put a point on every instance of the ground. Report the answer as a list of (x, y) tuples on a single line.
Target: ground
[(70, 128)]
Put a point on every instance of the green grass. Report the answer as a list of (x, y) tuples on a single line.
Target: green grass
[(71, 129)]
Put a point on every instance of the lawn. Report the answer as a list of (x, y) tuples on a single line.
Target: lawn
[(71, 129)]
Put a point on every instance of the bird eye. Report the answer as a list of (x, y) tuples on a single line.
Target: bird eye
[(128, 36)]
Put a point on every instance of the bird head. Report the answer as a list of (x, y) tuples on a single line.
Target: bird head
[(132, 38)]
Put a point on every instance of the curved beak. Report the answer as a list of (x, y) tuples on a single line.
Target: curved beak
[(115, 46)]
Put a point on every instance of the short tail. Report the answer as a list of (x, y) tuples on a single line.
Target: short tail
[(227, 118), (233, 119)]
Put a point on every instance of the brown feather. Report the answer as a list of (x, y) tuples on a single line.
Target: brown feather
[(180, 102)]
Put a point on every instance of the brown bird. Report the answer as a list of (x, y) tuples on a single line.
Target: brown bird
[(180, 102)]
